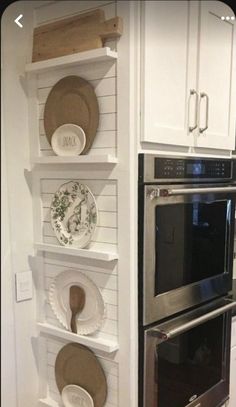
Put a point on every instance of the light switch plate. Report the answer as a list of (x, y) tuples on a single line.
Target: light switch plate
[(24, 286)]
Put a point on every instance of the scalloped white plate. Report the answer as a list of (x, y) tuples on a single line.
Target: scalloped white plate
[(68, 140), (75, 396), (93, 313)]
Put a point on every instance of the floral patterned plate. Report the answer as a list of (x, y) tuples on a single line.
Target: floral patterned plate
[(74, 214), (92, 316)]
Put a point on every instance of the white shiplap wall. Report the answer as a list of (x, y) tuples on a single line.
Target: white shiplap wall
[(103, 77)]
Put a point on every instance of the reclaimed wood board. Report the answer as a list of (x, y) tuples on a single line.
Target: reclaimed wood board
[(75, 34)]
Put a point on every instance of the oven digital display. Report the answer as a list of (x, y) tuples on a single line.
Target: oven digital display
[(179, 169), (196, 169)]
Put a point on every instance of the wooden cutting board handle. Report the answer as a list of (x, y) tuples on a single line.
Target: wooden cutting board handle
[(112, 28)]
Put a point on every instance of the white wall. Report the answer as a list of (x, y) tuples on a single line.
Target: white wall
[(19, 370), (16, 52), (8, 398)]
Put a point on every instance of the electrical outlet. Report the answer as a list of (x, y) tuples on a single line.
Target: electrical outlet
[(24, 286)]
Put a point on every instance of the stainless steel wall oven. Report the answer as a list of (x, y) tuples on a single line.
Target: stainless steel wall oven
[(186, 232), (186, 361), (186, 236)]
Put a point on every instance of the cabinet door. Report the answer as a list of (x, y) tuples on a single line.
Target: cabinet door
[(233, 333), (217, 70), (232, 400), (169, 46)]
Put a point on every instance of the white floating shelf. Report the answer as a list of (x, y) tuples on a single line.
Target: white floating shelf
[(101, 344), (94, 55), (87, 253), (79, 159), (48, 402)]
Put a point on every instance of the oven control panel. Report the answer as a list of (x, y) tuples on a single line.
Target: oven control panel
[(184, 168)]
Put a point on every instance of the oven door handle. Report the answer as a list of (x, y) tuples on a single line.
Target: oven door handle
[(165, 192), (166, 335)]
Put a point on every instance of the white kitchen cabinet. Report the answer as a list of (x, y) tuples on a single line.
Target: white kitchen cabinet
[(232, 400), (188, 74), (215, 76), (233, 333), (169, 70)]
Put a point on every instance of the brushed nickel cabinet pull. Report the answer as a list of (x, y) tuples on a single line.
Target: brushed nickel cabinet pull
[(204, 95), (192, 93)]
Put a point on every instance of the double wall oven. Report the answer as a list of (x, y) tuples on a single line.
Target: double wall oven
[(186, 236)]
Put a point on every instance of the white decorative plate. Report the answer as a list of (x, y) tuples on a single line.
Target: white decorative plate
[(91, 317), (74, 214), (68, 140), (75, 396)]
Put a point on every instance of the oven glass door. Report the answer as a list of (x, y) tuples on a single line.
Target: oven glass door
[(188, 365), (188, 249), (191, 242)]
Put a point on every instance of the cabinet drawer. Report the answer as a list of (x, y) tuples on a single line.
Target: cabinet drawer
[(233, 334)]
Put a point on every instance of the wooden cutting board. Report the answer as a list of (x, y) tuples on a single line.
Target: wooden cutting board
[(77, 364), (72, 100), (80, 33)]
